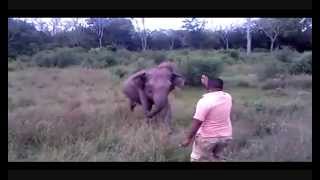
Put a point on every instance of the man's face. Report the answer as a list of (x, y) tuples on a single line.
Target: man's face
[(204, 81)]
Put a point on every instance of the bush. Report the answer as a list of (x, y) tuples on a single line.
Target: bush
[(142, 63), (240, 81), (273, 84), (120, 71), (125, 57), (60, 57), (16, 65), (295, 81), (24, 58), (100, 58), (111, 48), (234, 53), (192, 69), (261, 50), (156, 56), (302, 64), (286, 54), (302, 81), (10, 59), (271, 69)]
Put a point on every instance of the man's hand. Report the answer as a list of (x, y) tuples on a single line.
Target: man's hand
[(186, 142), (195, 126)]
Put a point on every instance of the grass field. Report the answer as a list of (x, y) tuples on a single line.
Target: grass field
[(77, 114)]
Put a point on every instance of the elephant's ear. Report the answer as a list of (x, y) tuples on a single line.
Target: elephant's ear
[(139, 79), (177, 80)]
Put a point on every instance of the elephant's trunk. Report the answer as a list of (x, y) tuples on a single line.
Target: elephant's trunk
[(160, 102)]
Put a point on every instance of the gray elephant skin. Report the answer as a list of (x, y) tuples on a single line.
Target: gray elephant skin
[(150, 88)]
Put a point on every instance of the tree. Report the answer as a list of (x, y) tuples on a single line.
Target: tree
[(248, 30), (211, 40), (98, 25), (160, 40), (224, 34), (73, 30), (193, 24), (195, 32), (23, 38), (41, 25), (142, 33), (55, 25), (297, 33), (119, 32), (172, 35), (238, 37), (272, 28)]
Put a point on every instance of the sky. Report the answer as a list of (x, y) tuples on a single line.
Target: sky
[(172, 23), (176, 23)]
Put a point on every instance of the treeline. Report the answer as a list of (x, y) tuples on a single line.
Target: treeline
[(264, 34)]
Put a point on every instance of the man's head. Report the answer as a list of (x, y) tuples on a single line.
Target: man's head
[(214, 84)]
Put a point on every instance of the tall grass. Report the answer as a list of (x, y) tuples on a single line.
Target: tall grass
[(80, 114)]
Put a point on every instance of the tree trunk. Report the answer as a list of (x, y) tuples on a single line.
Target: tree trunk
[(248, 40), (100, 42), (144, 37), (271, 45), (227, 44), (171, 44)]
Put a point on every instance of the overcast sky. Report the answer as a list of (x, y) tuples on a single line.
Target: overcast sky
[(174, 23)]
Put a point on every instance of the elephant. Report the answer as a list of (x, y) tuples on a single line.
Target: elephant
[(151, 87)]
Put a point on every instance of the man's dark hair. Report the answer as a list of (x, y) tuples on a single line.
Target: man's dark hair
[(215, 83)]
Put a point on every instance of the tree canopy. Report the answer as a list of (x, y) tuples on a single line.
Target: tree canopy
[(268, 33)]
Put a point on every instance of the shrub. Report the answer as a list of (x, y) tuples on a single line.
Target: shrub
[(243, 84), (302, 64), (192, 69), (302, 81), (234, 53), (106, 60), (271, 69), (240, 81), (142, 63), (228, 60), (119, 71), (156, 56), (286, 54), (60, 57), (273, 84), (125, 57), (261, 50), (296, 81), (111, 48), (100, 58), (24, 58), (16, 65)]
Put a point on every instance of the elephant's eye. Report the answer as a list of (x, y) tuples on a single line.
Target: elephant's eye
[(149, 91)]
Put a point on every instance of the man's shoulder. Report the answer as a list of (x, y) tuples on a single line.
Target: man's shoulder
[(227, 94)]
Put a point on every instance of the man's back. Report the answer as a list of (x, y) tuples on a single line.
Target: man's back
[(214, 110)]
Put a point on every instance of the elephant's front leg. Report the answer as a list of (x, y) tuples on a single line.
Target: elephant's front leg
[(146, 105), (132, 105), (168, 118)]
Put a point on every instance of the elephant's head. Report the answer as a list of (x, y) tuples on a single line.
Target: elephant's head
[(158, 82)]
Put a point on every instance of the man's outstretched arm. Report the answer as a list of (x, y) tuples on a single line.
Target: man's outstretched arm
[(194, 128)]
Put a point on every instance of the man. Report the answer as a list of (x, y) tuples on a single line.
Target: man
[(211, 124)]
